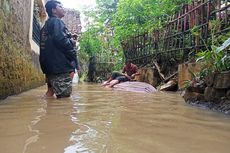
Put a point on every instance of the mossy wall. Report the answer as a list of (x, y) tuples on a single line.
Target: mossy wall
[(18, 63)]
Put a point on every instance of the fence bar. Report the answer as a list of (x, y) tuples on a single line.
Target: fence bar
[(175, 40)]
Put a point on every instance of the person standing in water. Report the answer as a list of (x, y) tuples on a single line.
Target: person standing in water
[(57, 54)]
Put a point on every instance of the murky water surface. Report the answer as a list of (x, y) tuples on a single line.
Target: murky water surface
[(99, 120)]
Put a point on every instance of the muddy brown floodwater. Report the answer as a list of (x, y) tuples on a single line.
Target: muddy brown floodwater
[(99, 120)]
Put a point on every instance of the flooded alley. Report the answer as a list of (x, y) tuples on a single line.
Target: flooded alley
[(100, 120)]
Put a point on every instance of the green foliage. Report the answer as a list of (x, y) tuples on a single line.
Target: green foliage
[(134, 16), (119, 61), (99, 39), (115, 20), (106, 9), (215, 59), (90, 43)]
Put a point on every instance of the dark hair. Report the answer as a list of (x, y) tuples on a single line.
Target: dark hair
[(52, 4)]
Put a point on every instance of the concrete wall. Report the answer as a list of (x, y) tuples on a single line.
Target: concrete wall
[(19, 67)]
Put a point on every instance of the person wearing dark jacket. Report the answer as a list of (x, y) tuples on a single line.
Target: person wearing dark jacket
[(57, 55)]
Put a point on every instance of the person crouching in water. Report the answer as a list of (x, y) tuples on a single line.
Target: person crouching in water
[(129, 71), (57, 55)]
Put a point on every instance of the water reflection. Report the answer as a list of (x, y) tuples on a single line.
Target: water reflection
[(34, 138), (99, 120)]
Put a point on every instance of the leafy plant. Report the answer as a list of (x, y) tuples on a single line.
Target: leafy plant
[(133, 16), (214, 58), (112, 21), (195, 78)]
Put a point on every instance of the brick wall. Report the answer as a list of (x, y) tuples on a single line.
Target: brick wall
[(72, 20)]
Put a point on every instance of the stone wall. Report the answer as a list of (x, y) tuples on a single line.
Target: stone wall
[(72, 20), (213, 92), (218, 87), (183, 72), (17, 61), (148, 75)]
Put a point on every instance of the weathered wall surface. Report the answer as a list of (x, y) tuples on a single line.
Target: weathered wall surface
[(18, 70), (72, 20), (183, 72), (148, 75)]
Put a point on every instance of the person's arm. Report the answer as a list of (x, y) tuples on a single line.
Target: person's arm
[(136, 73), (124, 73)]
